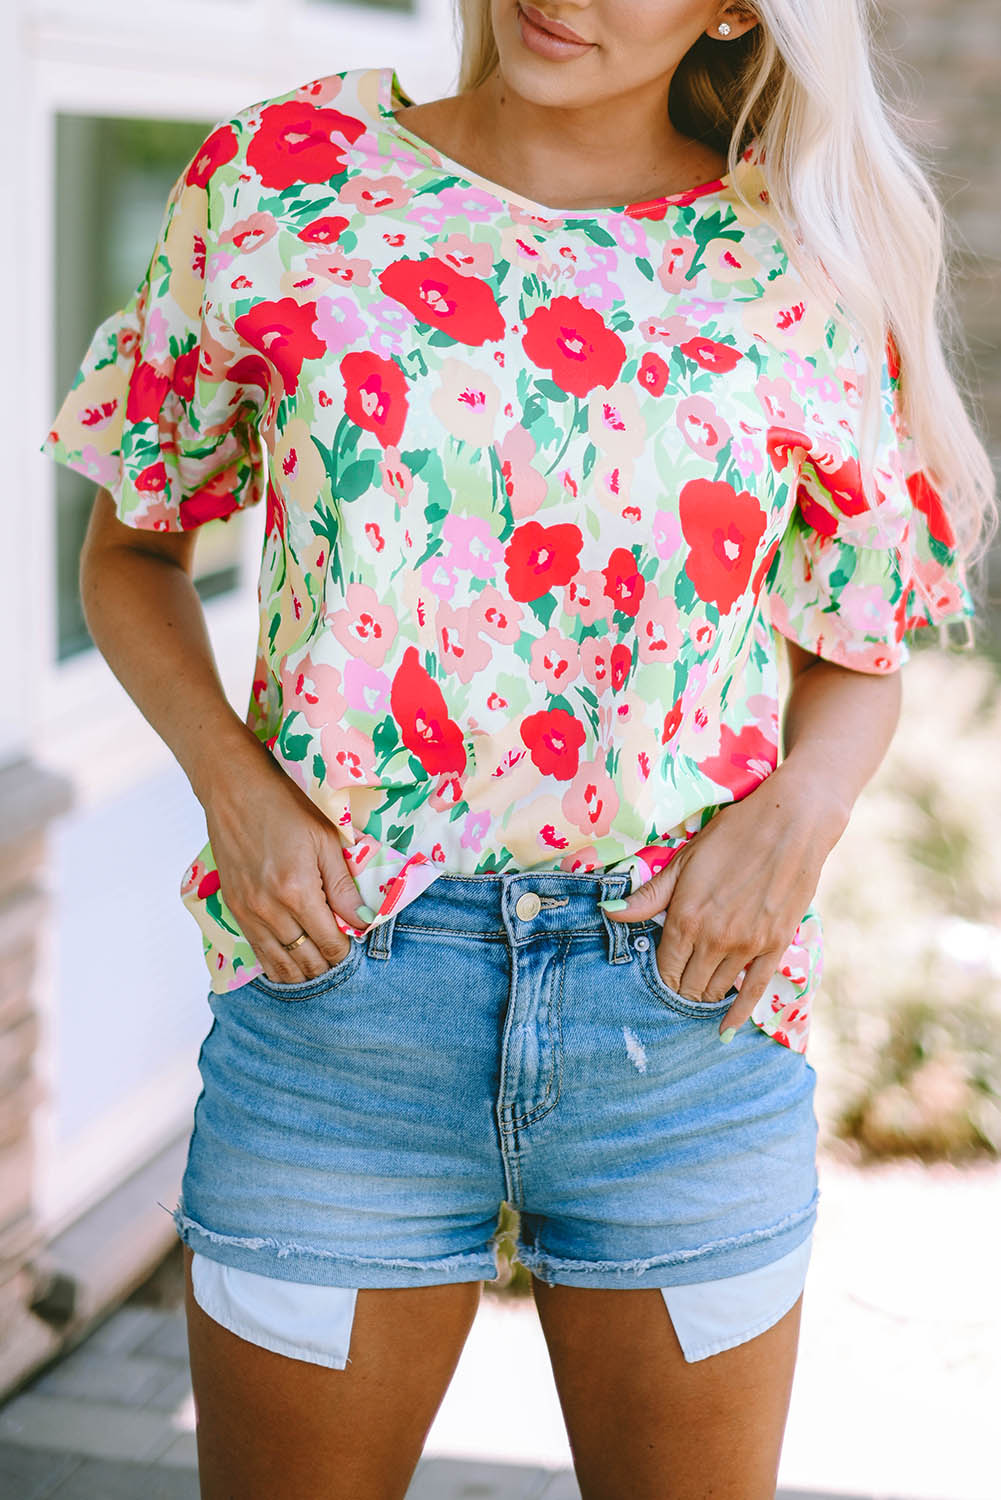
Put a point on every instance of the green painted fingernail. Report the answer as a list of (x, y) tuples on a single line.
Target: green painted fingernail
[(366, 913), (728, 1035), (614, 903)]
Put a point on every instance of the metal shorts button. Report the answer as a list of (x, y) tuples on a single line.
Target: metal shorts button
[(642, 942), (528, 906)]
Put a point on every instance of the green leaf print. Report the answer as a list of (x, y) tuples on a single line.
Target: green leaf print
[(319, 769), (645, 267), (543, 608), (385, 739), (598, 234), (293, 746), (551, 390), (356, 479)]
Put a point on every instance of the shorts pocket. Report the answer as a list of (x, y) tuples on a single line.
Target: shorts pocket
[(320, 984), (644, 946)]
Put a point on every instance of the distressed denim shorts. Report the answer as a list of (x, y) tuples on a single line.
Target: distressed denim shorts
[(499, 1039)]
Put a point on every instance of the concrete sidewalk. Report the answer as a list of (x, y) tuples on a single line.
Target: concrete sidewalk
[(895, 1394)]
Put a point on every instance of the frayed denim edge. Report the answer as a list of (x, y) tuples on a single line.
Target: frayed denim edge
[(539, 1260), (286, 1248)]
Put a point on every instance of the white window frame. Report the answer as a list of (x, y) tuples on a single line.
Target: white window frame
[(117, 57)]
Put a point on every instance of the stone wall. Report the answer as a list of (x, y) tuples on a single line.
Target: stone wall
[(942, 67)]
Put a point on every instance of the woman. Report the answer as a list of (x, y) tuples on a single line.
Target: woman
[(578, 390)]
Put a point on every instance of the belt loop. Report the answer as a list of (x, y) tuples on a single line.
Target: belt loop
[(619, 949), (380, 937)]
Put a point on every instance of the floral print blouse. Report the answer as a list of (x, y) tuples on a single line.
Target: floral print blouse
[(539, 486)]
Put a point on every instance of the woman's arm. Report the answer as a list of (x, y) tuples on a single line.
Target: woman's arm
[(734, 895), (280, 861)]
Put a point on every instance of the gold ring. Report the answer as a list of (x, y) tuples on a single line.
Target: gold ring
[(295, 942)]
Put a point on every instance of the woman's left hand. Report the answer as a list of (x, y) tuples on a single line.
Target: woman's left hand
[(734, 895)]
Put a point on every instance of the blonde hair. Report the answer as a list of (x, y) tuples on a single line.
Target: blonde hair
[(855, 208)]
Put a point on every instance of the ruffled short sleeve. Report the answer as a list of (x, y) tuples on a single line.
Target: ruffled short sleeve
[(849, 580), (163, 409)]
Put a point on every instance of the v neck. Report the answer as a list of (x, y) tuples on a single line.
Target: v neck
[(391, 94)]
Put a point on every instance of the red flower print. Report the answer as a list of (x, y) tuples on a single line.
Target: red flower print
[(624, 583), (293, 144), (761, 572), (743, 761), (215, 499), (782, 442), (376, 397), (554, 738), (620, 665), (185, 369), (462, 306), (653, 373), (283, 332), (152, 480), (573, 342), (215, 151), (420, 710), (325, 231), (208, 885), (672, 722), (722, 529), (927, 500), (711, 355), (147, 390), (540, 558)]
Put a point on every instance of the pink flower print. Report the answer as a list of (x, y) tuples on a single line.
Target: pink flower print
[(447, 794), (497, 616), (397, 479), (314, 688), (524, 486), (349, 757), (672, 273), (590, 802), (386, 323), (338, 322), (555, 660), (667, 540), (374, 195), (703, 428), (730, 260), (467, 257), (438, 576), (366, 690), (865, 610), (657, 629), (668, 330), (778, 403), (474, 830), (248, 233), (518, 246), (335, 264), (585, 597), (596, 662), (702, 634), (613, 482), (474, 548), (614, 421), (582, 861), (799, 372), (465, 401), (746, 452), (460, 648), (630, 235), (701, 311), (365, 627)]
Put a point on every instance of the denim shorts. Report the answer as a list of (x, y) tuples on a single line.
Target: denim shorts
[(498, 1039)]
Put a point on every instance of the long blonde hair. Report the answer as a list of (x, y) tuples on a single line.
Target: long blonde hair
[(855, 207)]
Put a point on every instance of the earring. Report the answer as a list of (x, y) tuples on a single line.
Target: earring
[(723, 28)]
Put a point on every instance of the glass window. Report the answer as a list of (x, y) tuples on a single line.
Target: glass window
[(112, 178)]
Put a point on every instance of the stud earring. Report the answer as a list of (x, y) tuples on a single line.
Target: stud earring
[(723, 28)]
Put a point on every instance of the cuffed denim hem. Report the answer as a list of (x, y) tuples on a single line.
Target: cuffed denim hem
[(725, 1257), (291, 1261)]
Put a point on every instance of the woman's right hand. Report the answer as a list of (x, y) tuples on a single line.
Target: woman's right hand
[(281, 869)]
